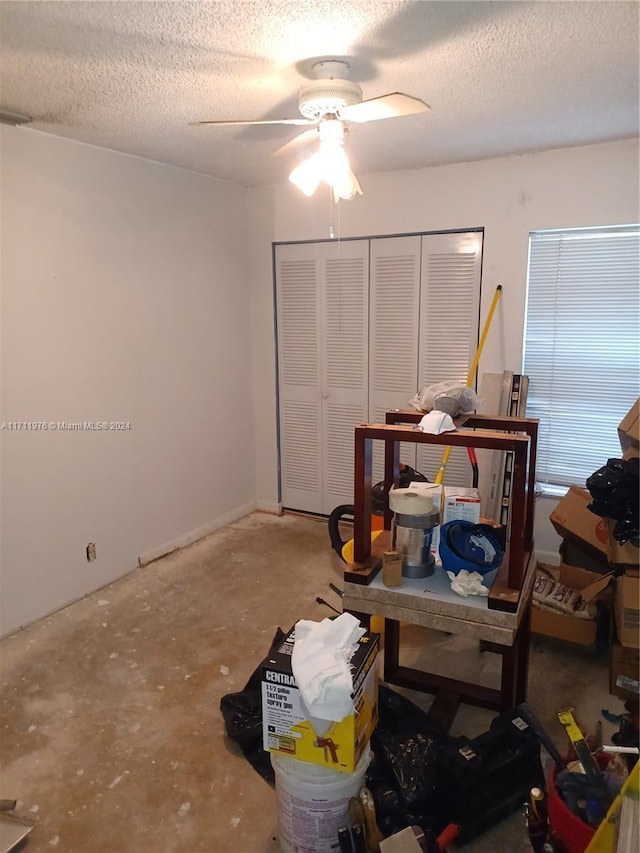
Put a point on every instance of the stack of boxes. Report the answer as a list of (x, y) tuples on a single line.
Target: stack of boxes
[(593, 562), (625, 652), (286, 728)]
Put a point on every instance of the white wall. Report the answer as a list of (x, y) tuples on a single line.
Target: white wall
[(509, 197), (124, 298), (132, 291)]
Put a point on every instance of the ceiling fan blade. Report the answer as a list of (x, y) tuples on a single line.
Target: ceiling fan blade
[(297, 121), (386, 106), (301, 139)]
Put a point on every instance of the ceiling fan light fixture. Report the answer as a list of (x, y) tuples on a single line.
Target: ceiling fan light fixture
[(347, 187), (307, 175), (330, 164), (326, 104)]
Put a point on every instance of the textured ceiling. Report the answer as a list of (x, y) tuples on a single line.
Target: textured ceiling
[(501, 77)]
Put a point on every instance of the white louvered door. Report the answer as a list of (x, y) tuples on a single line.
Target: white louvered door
[(345, 360), (322, 294), (393, 334), (354, 342), (449, 317), (298, 268)]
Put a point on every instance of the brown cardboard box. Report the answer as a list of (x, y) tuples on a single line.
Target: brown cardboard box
[(626, 557), (562, 626), (627, 614), (624, 671), (578, 578), (572, 520), (629, 428), (591, 534)]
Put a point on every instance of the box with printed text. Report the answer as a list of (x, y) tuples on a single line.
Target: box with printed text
[(460, 504), (286, 729)]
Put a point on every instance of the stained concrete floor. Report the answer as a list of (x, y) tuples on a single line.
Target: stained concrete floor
[(111, 736)]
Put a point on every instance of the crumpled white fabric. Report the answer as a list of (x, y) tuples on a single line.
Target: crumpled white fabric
[(320, 664), (435, 422), (467, 583)]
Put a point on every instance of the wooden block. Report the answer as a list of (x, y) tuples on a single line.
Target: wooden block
[(392, 568), (364, 573)]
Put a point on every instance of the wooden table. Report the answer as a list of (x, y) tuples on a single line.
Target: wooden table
[(500, 622), (431, 603)]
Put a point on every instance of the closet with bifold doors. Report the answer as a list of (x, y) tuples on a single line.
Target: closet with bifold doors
[(362, 325)]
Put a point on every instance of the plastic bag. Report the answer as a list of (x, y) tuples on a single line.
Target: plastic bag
[(402, 774), (615, 490), (242, 714), (452, 397)]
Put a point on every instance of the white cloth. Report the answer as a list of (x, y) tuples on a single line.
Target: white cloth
[(435, 422), (320, 664), (467, 583)]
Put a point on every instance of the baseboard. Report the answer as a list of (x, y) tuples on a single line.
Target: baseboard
[(195, 535), (551, 558)]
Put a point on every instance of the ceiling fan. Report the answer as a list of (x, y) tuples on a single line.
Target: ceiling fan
[(327, 105)]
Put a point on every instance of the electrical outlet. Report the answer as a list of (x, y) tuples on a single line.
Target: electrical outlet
[(91, 552)]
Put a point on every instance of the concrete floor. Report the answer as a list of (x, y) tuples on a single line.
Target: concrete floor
[(111, 734)]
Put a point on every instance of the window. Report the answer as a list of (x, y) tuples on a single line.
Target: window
[(581, 349)]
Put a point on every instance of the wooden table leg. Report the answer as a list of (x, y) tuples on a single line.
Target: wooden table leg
[(515, 665), (443, 709), (523, 655)]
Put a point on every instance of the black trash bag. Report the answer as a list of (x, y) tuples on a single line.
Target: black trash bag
[(242, 714), (615, 489), (402, 773)]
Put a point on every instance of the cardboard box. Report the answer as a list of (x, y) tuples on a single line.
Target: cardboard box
[(573, 521), (583, 632), (624, 671), (563, 626), (626, 608), (580, 579), (590, 534), (460, 503), (629, 428), (626, 557), (286, 729)]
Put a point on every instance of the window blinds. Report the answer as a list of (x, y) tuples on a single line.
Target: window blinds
[(581, 349)]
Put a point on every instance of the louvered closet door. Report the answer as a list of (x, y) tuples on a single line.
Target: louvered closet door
[(298, 271), (344, 289), (393, 334), (449, 310)]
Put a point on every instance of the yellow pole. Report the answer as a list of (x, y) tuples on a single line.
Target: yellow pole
[(472, 372)]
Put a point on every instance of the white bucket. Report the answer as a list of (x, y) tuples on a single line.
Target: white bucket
[(313, 802)]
